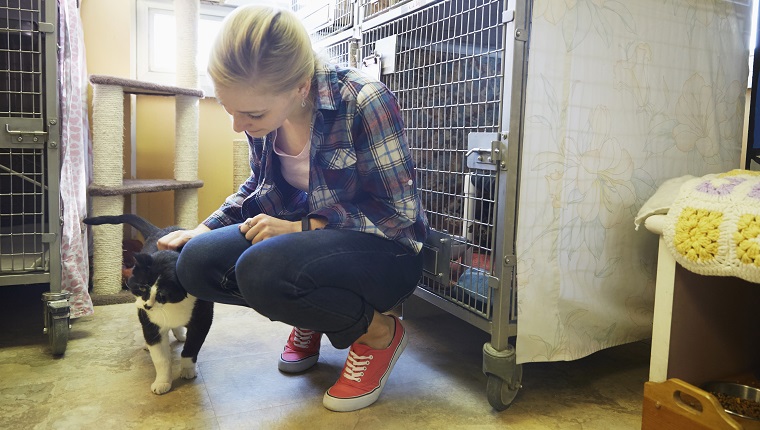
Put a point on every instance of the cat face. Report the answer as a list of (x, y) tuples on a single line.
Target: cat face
[(154, 279)]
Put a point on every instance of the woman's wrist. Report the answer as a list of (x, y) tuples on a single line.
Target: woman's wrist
[(313, 223), (305, 223), (202, 228)]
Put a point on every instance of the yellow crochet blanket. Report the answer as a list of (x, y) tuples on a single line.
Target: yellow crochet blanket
[(713, 226)]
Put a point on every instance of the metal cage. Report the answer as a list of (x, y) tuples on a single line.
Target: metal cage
[(29, 157), (448, 79)]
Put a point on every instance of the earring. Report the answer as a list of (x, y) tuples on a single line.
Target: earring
[(303, 101)]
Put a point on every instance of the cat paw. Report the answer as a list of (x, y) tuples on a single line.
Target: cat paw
[(160, 387), (187, 373)]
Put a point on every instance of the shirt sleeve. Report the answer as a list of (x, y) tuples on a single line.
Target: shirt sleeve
[(231, 210), (389, 200)]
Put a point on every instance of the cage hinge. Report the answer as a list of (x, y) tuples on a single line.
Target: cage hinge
[(521, 34), (46, 27), (510, 260)]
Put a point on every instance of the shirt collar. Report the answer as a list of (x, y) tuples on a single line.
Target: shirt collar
[(328, 90)]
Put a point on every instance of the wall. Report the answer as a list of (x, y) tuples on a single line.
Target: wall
[(109, 43)]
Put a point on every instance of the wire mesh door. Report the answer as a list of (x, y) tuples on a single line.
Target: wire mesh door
[(448, 79), (341, 53), (28, 169), (372, 8), (324, 18)]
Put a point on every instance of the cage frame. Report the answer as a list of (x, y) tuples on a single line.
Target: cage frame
[(41, 133)]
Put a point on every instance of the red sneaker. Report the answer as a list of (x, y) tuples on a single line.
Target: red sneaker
[(364, 374), (301, 352)]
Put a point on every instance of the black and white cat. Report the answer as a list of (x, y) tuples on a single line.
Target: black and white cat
[(162, 303)]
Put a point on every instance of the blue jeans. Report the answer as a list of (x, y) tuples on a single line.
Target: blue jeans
[(328, 280)]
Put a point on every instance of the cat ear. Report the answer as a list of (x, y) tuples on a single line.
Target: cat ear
[(143, 259)]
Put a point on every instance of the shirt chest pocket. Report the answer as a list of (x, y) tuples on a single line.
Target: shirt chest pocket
[(337, 174), (337, 158)]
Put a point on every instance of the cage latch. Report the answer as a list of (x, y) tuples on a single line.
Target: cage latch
[(46, 27), (485, 151), (21, 133), (48, 237), (436, 256), (372, 65)]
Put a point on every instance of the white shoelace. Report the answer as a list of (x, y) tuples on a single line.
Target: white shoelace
[(355, 366), (302, 337)]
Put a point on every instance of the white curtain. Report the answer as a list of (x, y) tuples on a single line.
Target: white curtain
[(621, 96), (75, 144)]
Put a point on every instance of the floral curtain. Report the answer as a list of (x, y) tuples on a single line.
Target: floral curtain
[(75, 146), (620, 97)]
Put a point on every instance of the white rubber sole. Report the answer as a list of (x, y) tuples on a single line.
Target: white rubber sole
[(355, 403), (297, 366)]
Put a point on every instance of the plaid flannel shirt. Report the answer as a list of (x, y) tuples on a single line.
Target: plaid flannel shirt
[(361, 174)]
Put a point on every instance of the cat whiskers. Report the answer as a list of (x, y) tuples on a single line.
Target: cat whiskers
[(160, 312)]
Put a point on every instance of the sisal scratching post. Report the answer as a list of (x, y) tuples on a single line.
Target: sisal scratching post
[(106, 246), (107, 135), (186, 160), (186, 112), (241, 168), (188, 16), (108, 166)]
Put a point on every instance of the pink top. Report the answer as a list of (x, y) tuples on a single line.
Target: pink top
[(295, 168)]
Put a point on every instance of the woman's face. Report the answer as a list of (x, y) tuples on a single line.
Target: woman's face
[(255, 110)]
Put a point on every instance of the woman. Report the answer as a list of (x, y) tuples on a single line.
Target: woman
[(326, 234)]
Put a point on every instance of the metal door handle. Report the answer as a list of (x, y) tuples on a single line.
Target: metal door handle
[(478, 150), (22, 132)]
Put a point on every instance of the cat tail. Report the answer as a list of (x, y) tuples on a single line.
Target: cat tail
[(141, 224)]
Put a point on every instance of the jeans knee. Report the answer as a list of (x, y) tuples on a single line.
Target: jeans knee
[(257, 284), (190, 268)]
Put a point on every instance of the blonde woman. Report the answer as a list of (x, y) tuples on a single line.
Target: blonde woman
[(326, 234)]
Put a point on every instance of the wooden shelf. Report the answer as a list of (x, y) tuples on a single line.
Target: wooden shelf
[(137, 186)]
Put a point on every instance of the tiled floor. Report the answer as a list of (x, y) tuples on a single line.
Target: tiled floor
[(103, 380)]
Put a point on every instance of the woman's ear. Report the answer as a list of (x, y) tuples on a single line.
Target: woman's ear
[(303, 90)]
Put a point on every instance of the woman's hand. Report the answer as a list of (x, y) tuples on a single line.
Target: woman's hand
[(264, 226), (176, 239)]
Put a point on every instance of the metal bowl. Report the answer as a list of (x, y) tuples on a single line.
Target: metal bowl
[(735, 390)]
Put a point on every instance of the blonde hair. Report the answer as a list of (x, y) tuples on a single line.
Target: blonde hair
[(264, 46)]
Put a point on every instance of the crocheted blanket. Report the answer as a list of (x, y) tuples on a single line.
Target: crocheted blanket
[(713, 226)]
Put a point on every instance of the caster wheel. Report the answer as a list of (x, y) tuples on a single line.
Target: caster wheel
[(500, 393), (58, 335), (56, 315)]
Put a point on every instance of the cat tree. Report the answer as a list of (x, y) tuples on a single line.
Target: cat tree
[(108, 187)]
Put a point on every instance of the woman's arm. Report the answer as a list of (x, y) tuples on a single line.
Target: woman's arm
[(177, 239), (231, 210)]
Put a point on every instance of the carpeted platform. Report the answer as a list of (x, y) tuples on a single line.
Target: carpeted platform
[(124, 296)]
